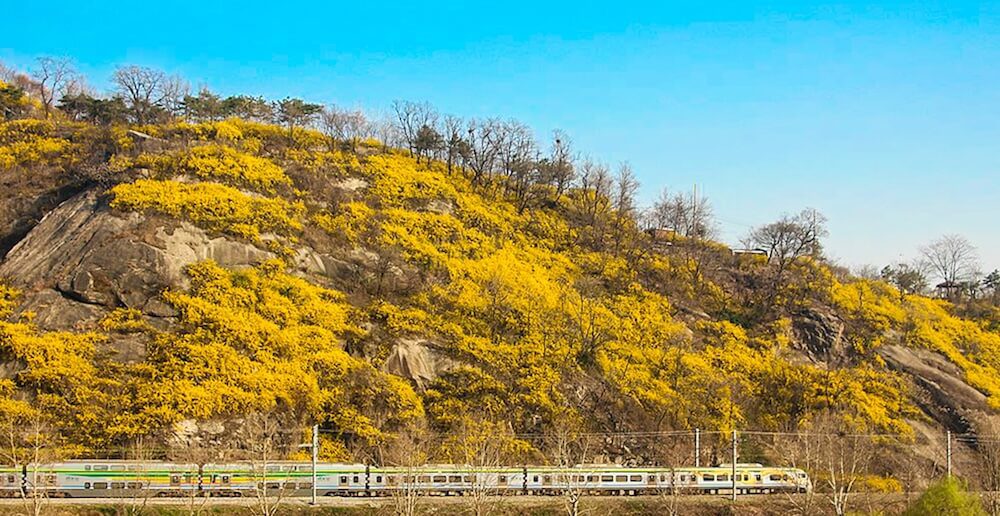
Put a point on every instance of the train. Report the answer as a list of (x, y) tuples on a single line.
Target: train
[(129, 479)]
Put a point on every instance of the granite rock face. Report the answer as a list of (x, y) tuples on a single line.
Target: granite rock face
[(84, 259)]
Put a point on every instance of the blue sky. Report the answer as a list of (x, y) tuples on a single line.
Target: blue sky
[(884, 117)]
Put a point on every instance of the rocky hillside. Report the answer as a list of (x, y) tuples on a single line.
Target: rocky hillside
[(169, 282)]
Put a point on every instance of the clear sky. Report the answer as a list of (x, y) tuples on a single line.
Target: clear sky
[(884, 117)]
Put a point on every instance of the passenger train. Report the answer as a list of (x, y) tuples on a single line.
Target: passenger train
[(117, 479)]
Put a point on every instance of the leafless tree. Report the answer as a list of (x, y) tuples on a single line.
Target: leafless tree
[(952, 258), (569, 448), (686, 213), (455, 146), (264, 440), (37, 438), (988, 471), (626, 186), (7, 73), (483, 148), (482, 447), (411, 117), (786, 240), (344, 126), (148, 92), (516, 157), (558, 167), (672, 452), (407, 452), (790, 237), (137, 501), (54, 75)]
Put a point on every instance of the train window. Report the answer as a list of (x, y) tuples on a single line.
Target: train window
[(118, 485), (273, 485), (356, 480), (756, 477), (591, 478), (722, 478), (390, 480), (802, 475), (440, 478), (100, 468), (306, 485), (378, 479), (775, 478), (86, 485), (133, 468), (467, 479), (343, 480), (651, 479), (547, 479), (135, 485), (455, 478), (708, 478), (10, 479), (424, 479), (117, 467), (87, 467), (502, 479), (620, 478), (607, 478), (535, 478), (225, 479), (635, 478), (175, 480), (100, 485)]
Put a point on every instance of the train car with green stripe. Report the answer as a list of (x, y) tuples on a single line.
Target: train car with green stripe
[(111, 479)]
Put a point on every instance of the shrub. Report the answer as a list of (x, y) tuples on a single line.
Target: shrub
[(946, 498), (211, 205)]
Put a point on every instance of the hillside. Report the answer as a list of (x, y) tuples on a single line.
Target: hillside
[(167, 283)]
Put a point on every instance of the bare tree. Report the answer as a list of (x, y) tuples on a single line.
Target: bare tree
[(138, 489), (411, 117), (54, 75), (988, 446), (687, 214), (455, 145), (264, 441), (407, 452), (626, 187), (786, 240), (558, 167), (149, 93), (483, 148), (952, 258), (570, 448), (482, 447), (340, 125)]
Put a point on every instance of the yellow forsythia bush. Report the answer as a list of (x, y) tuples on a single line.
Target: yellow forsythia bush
[(211, 205)]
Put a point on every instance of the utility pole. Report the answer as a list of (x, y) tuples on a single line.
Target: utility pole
[(948, 452), (315, 458), (697, 447), (734, 465)]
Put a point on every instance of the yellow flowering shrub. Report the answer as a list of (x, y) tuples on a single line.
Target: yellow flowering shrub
[(213, 162), (211, 205), (31, 142), (260, 339)]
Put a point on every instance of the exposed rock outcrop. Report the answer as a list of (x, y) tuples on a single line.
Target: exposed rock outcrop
[(83, 259), (946, 397), (417, 360), (820, 336)]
